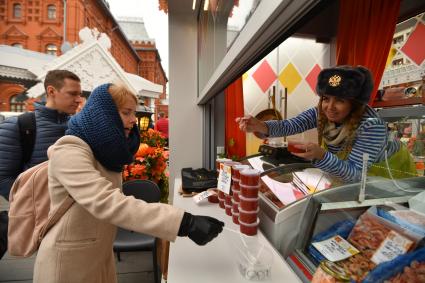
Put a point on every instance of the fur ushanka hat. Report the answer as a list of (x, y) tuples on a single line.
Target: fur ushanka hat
[(349, 82)]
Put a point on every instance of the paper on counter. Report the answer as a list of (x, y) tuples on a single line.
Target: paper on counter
[(257, 163), (283, 191), (314, 179)]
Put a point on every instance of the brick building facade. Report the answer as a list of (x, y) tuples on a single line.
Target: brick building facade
[(151, 69), (44, 25)]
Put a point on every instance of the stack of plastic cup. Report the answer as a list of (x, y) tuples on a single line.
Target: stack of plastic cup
[(221, 199), (249, 185), (236, 179), (218, 161), (228, 204), (236, 190)]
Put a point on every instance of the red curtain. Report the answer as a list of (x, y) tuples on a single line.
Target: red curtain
[(365, 33), (235, 138)]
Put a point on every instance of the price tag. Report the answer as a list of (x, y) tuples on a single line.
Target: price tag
[(393, 245), (335, 248), (203, 195), (224, 178)]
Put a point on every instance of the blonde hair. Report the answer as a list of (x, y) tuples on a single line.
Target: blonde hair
[(119, 93), (352, 122)]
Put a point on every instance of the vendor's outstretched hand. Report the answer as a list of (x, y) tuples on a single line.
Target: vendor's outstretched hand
[(252, 125), (200, 229), (313, 151)]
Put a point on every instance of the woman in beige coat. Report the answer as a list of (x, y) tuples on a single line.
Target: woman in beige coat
[(87, 164)]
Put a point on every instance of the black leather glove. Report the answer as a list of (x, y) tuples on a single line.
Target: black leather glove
[(200, 229)]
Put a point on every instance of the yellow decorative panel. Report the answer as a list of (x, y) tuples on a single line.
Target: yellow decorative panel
[(290, 78), (252, 144)]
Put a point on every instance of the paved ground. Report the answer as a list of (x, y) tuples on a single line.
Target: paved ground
[(133, 267)]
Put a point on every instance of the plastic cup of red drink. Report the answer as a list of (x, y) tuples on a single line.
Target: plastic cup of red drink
[(228, 209), (250, 177), (237, 168), (248, 204), (249, 191), (248, 217), (235, 217), (249, 229), (236, 196), (227, 199), (214, 197), (235, 207), (293, 143)]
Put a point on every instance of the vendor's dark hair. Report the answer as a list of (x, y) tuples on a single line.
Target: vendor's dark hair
[(56, 78), (353, 121)]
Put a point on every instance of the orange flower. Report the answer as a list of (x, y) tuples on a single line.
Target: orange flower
[(138, 169), (142, 150)]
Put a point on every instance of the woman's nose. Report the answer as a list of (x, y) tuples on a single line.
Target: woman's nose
[(331, 104)]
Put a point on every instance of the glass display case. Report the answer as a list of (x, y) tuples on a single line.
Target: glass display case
[(328, 208), (283, 201)]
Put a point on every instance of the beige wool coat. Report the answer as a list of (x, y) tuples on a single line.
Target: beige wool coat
[(79, 247)]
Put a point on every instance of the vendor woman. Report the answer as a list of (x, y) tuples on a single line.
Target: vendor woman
[(347, 127)]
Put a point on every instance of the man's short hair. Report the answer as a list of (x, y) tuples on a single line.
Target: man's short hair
[(161, 114), (56, 78)]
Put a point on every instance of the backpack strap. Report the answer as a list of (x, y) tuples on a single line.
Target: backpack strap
[(27, 128), (55, 216)]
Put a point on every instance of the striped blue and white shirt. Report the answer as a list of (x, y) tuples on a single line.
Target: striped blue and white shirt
[(371, 138)]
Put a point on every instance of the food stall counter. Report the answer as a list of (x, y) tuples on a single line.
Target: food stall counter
[(215, 262)]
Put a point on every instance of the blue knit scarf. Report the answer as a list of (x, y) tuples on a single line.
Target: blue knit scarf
[(100, 126)]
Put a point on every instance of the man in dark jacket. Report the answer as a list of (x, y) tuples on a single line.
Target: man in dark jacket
[(63, 95)]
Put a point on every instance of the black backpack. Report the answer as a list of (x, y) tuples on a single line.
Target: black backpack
[(27, 128)]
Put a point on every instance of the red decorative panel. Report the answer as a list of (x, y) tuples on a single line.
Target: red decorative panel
[(264, 76), (414, 46), (312, 77)]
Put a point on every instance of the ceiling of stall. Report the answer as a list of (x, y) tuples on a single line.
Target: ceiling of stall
[(323, 26), (320, 22)]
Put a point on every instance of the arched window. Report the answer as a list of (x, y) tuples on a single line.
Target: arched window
[(17, 11), (19, 45), (51, 12), (51, 49), (17, 103)]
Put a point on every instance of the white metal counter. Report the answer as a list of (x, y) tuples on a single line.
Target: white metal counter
[(214, 262)]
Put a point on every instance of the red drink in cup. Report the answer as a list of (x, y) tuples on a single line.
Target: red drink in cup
[(236, 196), (228, 209), (249, 191), (292, 148), (227, 199), (250, 177), (249, 229), (248, 204), (235, 207), (235, 217), (248, 216), (236, 170), (214, 197)]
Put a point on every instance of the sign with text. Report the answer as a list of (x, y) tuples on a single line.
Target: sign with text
[(335, 248), (202, 195), (224, 178), (393, 245)]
